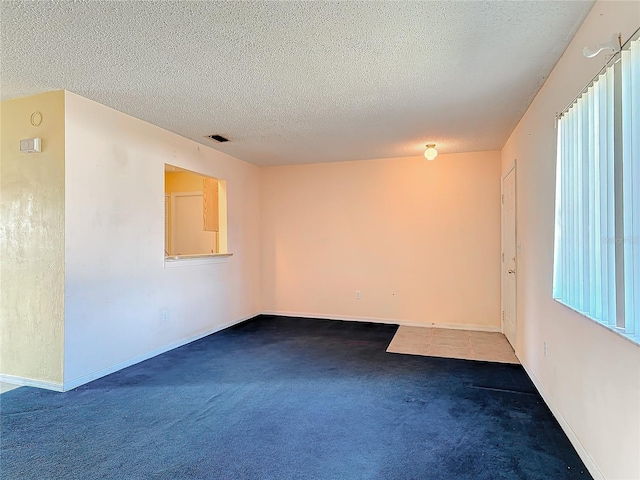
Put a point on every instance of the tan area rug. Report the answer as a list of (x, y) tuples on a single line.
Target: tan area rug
[(448, 343)]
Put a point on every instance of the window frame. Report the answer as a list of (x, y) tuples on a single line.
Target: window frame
[(577, 282)]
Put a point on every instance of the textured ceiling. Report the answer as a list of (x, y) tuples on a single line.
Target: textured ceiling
[(297, 82)]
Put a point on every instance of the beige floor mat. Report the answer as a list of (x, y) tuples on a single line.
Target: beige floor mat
[(442, 342)]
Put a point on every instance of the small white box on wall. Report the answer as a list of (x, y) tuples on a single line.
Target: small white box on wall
[(31, 145)]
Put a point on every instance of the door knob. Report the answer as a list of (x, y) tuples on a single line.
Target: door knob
[(511, 272)]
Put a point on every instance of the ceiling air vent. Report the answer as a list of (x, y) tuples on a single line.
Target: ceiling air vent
[(218, 138)]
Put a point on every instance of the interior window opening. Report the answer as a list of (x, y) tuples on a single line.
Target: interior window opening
[(195, 214)]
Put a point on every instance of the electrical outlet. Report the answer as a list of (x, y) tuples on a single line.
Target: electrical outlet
[(164, 315), (358, 294), (544, 346)]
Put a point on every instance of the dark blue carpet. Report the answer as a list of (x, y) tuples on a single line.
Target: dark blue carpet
[(285, 398)]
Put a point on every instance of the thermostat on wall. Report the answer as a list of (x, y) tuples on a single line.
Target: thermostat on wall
[(30, 145)]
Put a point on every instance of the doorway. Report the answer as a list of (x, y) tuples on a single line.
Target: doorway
[(509, 254)]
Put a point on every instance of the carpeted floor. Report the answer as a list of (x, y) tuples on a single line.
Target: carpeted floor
[(285, 398)]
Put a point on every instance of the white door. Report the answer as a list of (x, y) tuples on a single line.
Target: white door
[(509, 323), (187, 222)]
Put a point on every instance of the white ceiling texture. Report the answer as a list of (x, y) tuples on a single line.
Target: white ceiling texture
[(297, 82)]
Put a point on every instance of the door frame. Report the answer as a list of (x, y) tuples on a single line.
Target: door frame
[(511, 169)]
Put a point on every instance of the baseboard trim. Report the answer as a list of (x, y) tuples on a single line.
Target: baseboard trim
[(404, 323), (31, 382), (76, 382), (573, 438)]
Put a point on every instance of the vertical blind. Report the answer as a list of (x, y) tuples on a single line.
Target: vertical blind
[(597, 230), (630, 85)]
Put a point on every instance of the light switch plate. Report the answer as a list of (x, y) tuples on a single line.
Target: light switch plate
[(31, 145)]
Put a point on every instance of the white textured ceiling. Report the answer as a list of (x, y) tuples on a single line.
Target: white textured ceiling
[(297, 82)]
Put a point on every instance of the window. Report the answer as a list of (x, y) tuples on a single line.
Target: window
[(195, 214), (597, 230)]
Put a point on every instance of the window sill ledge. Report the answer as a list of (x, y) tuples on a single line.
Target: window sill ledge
[(634, 339), (193, 260)]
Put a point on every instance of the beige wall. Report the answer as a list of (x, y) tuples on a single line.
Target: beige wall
[(420, 240), (590, 376), (182, 182), (32, 241)]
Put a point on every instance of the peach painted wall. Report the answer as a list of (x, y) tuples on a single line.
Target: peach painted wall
[(420, 240), (590, 376), (123, 302)]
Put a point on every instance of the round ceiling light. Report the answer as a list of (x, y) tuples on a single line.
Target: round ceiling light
[(431, 153)]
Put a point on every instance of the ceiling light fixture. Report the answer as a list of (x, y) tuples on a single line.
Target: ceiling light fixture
[(431, 153)]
